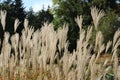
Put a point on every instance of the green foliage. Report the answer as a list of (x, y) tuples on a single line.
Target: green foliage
[(15, 10), (109, 24), (31, 17), (65, 11), (104, 4), (38, 19), (55, 1)]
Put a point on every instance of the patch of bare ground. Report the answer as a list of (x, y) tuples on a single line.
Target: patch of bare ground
[(106, 57)]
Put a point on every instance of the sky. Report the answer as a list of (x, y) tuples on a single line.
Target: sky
[(37, 4)]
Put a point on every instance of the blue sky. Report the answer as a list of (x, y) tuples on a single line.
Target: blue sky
[(37, 4)]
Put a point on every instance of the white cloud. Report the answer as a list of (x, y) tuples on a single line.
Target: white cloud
[(39, 5)]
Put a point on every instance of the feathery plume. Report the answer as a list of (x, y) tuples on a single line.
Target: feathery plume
[(96, 16), (16, 24), (116, 37), (26, 22), (79, 21), (3, 18), (108, 46)]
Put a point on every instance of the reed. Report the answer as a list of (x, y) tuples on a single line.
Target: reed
[(34, 55)]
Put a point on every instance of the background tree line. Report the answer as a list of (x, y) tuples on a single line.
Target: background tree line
[(63, 12), (15, 9)]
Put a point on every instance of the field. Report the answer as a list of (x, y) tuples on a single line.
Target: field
[(43, 54)]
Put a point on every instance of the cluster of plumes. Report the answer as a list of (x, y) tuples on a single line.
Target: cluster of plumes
[(35, 54)]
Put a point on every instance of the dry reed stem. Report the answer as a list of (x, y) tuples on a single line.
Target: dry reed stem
[(35, 52)]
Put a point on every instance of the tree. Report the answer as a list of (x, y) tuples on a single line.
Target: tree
[(15, 10), (44, 16), (31, 16), (65, 11), (37, 19), (19, 10)]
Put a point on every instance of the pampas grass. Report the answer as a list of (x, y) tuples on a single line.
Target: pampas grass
[(3, 18), (96, 16), (43, 54)]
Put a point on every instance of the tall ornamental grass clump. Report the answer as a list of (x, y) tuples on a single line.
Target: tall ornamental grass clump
[(43, 54)]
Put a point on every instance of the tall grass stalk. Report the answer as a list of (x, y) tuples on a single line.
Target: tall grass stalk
[(43, 54)]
